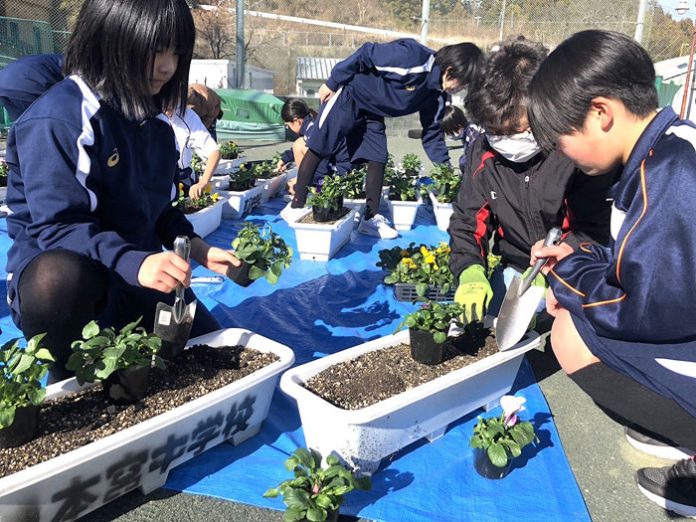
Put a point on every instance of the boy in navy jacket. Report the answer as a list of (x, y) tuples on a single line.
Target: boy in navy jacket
[(624, 328), (378, 81)]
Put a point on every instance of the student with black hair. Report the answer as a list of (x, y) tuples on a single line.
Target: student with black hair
[(624, 328), (512, 191), (455, 125), (378, 81), (93, 166)]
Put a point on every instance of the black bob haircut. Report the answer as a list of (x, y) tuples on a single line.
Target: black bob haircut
[(463, 60), (499, 97), (113, 46), (295, 108), (453, 120), (585, 66)]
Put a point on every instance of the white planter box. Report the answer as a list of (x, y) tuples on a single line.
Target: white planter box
[(271, 187), (442, 212), (241, 203), (140, 457), (319, 242), (403, 213), (218, 183), (230, 165), (364, 437), (207, 220), (359, 206)]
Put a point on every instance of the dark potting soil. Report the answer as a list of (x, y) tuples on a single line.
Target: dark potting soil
[(378, 375), (310, 219), (76, 420)]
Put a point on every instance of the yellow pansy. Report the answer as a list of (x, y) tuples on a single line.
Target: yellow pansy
[(424, 251), (215, 196)]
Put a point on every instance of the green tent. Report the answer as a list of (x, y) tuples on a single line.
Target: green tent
[(248, 114)]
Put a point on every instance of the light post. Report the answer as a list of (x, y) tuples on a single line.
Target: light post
[(682, 8)]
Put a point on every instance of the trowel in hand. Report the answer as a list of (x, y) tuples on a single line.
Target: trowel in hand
[(521, 301), (173, 322)]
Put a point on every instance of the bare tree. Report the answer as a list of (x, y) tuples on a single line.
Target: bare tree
[(215, 31)]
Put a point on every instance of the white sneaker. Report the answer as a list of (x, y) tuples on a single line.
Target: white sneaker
[(290, 214), (377, 226)]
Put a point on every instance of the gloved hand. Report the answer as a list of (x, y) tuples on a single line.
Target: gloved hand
[(473, 293)]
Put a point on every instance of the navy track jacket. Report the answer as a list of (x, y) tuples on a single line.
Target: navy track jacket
[(85, 179), (23, 81), (634, 303), (396, 79)]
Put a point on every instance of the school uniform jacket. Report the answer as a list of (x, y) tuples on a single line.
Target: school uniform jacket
[(341, 160), (85, 179), (634, 302), (517, 203), (396, 79)]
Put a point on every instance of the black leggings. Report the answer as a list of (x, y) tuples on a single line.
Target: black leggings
[(61, 291), (373, 183), (631, 403)]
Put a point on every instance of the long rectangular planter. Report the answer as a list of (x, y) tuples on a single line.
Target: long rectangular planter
[(403, 213), (241, 203), (364, 437), (319, 242), (75, 483), (271, 186), (230, 165), (442, 211), (359, 206), (207, 220)]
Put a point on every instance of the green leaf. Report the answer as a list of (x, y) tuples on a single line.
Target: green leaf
[(305, 457), (90, 330), (316, 514), (323, 501), (293, 514), (439, 337), (296, 498), (44, 355), (24, 363), (497, 455), (271, 493), (7, 415)]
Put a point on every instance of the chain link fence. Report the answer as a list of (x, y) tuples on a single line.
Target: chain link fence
[(277, 32)]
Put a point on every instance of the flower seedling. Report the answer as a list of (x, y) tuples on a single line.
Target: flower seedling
[(434, 318), (190, 205), (411, 164), (4, 172), (228, 150), (505, 436), (423, 266), (20, 381), (102, 351), (264, 250), (329, 193), (403, 188), (446, 182), (315, 492), (242, 180), (353, 183)]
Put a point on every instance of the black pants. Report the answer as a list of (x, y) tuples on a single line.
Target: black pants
[(61, 291), (631, 403)]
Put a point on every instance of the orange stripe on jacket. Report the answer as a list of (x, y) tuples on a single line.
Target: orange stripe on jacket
[(566, 284), (602, 303)]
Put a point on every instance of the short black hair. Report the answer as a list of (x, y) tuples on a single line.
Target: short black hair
[(295, 108), (586, 65), (463, 60), (113, 45), (498, 98), (453, 120)]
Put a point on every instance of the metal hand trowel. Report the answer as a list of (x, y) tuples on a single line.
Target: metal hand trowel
[(521, 301), (173, 322)]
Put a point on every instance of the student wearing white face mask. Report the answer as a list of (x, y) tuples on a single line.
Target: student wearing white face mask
[(512, 192)]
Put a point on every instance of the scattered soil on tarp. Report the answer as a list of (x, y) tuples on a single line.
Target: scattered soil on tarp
[(309, 218), (78, 419), (378, 375)]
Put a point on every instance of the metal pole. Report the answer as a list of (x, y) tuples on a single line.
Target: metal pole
[(240, 53), (502, 22), (689, 68), (425, 20), (640, 21)]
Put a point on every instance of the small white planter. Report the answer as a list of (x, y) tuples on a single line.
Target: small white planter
[(359, 206), (241, 203), (442, 211), (229, 165), (207, 220), (403, 213), (271, 186), (364, 437), (140, 457), (319, 242)]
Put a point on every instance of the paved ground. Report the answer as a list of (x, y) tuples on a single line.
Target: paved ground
[(601, 459)]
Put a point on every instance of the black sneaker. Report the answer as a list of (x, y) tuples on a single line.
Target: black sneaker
[(652, 445), (672, 487)]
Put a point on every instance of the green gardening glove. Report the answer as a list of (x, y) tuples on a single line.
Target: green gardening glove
[(473, 293)]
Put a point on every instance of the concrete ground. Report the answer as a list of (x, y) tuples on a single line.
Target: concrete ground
[(601, 459)]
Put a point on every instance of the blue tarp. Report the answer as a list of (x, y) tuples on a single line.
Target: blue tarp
[(320, 308)]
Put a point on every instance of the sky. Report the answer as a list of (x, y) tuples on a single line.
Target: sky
[(670, 6)]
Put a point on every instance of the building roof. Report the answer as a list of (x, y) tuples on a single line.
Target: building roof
[(673, 69), (309, 68)]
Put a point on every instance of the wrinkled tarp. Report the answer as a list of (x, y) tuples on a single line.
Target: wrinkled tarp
[(320, 308)]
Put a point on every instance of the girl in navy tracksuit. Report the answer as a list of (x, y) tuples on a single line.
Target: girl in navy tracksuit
[(380, 80), (93, 166)]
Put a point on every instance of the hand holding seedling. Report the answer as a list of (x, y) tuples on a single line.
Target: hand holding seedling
[(213, 258), (164, 271)]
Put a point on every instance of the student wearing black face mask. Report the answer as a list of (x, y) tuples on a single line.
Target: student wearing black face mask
[(513, 192)]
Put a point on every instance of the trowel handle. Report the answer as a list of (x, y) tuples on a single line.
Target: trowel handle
[(553, 237), (182, 248)]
